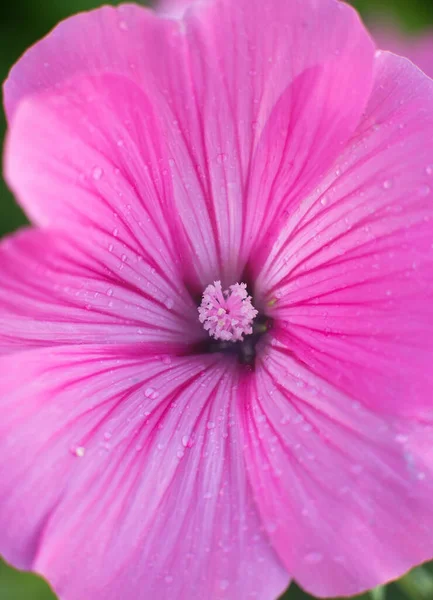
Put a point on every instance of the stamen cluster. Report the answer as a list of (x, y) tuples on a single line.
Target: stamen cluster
[(227, 315)]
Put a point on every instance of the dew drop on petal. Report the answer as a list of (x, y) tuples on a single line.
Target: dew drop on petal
[(169, 303), (424, 190), (224, 584), (80, 451), (313, 558), (97, 173)]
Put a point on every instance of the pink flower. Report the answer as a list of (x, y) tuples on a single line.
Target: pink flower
[(145, 456), (418, 48)]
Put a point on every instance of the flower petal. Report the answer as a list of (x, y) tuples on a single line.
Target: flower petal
[(345, 492), (351, 275), (126, 468), (58, 290), (197, 105)]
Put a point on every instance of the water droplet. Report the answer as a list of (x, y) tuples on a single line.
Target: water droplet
[(110, 292), (224, 584), (429, 169), (324, 201), (221, 158), (148, 392), (180, 453), (168, 579), (356, 469), (210, 425), (401, 438), (115, 232), (80, 451), (169, 303), (314, 558), (424, 190), (186, 441), (97, 173), (123, 25)]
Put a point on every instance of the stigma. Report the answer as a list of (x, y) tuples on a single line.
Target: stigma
[(227, 315)]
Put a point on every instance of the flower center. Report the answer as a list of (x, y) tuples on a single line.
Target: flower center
[(227, 315)]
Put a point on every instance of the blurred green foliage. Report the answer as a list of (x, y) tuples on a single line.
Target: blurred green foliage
[(21, 24)]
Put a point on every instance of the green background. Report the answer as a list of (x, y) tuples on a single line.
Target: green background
[(23, 22)]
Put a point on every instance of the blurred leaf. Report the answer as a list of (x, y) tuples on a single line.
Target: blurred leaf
[(411, 15), (15, 585), (378, 593)]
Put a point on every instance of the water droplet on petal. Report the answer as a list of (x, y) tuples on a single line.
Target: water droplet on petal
[(97, 173), (169, 303), (357, 469), (80, 451), (313, 558), (424, 190), (221, 158)]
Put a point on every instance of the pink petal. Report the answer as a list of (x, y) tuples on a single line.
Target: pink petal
[(344, 491), (59, 290), (346, 399), (192, 113), (127, 469), (351, 274)]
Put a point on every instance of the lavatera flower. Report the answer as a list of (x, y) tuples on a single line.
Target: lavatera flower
[(217, 341)]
